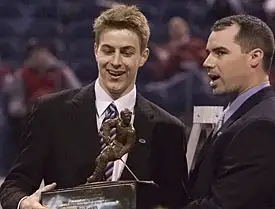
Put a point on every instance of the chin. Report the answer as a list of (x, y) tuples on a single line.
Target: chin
[(116, 91), (218, 92)]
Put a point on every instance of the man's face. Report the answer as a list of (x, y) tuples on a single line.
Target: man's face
[(178, 28), (119, 56), (227, 66)]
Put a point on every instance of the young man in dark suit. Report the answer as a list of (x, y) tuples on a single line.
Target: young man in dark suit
[(61, 141), (235, 168)]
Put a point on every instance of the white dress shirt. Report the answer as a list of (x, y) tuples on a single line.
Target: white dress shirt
[(103, 100)]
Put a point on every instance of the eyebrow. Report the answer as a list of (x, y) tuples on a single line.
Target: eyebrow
[(220, 48), (123, 48), (106, 46), (128, 48)]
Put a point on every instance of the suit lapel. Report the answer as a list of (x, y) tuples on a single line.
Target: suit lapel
[(245, 107), (84, 110), (144, 125)]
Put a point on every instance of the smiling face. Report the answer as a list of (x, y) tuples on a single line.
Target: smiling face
[(118, 55), (228, 67)]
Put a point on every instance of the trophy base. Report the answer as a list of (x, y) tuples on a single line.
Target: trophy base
[(103, 195)]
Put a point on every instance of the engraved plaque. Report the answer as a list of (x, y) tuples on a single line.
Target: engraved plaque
[(102, 195)]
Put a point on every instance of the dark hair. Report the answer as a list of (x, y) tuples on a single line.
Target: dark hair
[(253, 33), (35, 44)]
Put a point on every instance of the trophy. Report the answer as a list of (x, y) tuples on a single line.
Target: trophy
[(98, 193), (116, 146)]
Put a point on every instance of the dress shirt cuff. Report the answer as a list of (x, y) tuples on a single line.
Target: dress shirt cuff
[(18, 206)]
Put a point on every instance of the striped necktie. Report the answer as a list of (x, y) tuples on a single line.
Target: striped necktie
[(111, 112), (220, 122)]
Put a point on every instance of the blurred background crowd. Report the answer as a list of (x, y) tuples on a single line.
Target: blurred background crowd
[(47, 46)]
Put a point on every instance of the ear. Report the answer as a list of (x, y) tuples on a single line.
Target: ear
[(144, 57), (95, 50), (255, 57)]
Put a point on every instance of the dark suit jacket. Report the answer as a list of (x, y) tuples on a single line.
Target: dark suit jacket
[(61, 144), (236, 166)]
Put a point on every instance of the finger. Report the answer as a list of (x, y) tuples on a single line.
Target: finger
[(37, 195), (48, 187), (37, 205)]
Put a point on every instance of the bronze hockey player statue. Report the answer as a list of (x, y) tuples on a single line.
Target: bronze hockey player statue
[(115, 148)]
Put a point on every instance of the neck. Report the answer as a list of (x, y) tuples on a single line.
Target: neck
[(256, 82), (116, 95)]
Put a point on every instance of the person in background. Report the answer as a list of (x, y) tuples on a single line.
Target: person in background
[(7, 147), (40, 74)]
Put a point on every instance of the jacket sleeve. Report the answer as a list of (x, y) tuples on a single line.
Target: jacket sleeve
[(172, 171), (27, 172)]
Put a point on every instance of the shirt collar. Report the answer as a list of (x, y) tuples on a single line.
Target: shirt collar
[(232, 107), (103, 100)]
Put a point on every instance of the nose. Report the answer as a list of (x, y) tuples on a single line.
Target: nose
[(116, 60), (208, 63)]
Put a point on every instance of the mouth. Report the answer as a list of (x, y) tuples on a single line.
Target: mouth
[(116, 73), (214, 77)]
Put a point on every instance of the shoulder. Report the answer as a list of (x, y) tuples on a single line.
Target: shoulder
[(258, 125), (258, 131), (57, 98), (262, 113), (48, 105), (160, 115), (255, 138), (56, 102), (267, 101)]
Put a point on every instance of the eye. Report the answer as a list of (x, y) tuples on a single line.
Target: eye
[(127, 53), (108, 51), (220, 53)]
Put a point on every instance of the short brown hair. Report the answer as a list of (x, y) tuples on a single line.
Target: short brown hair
[(123, 17), (253, 33)]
